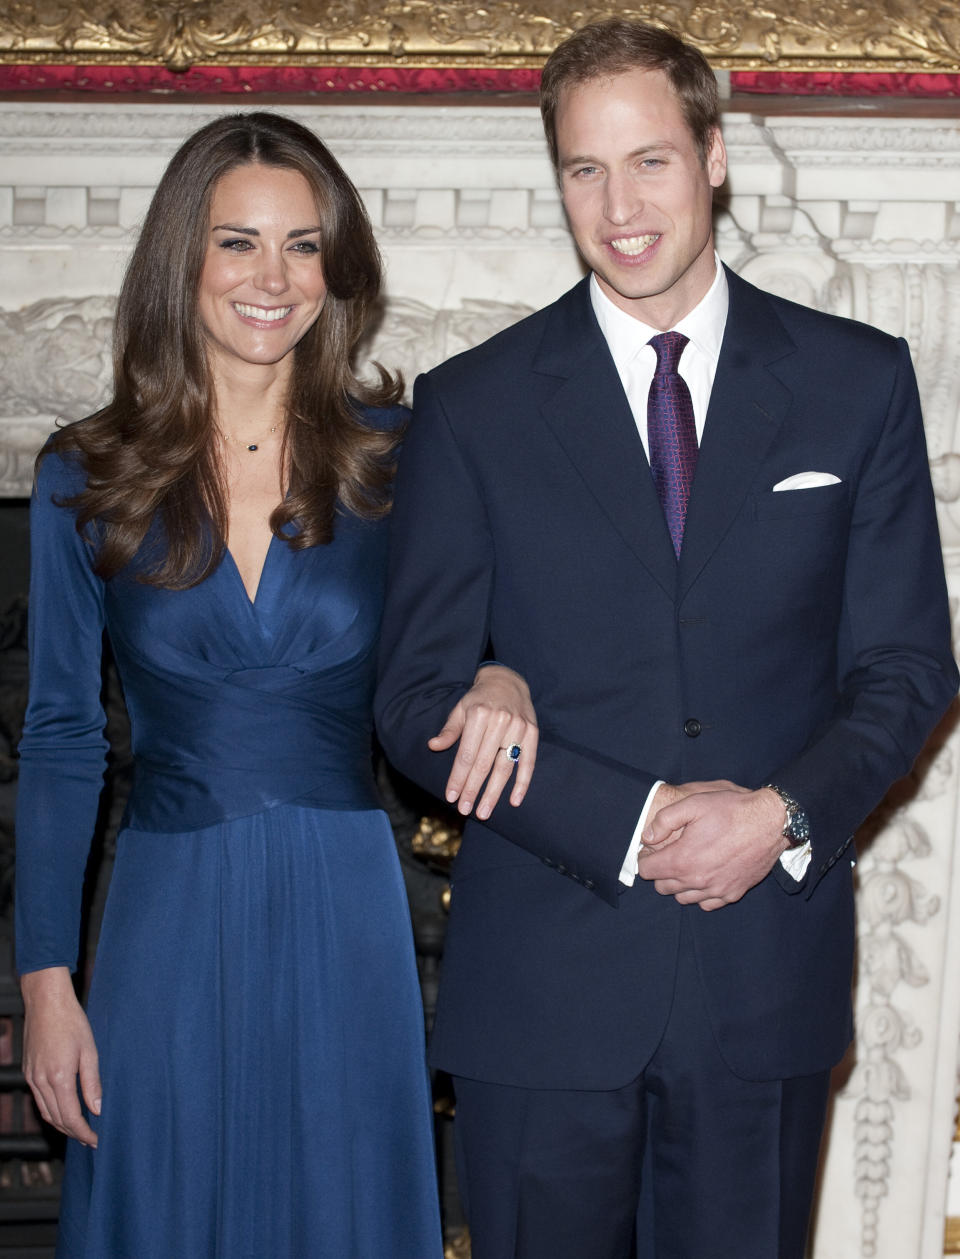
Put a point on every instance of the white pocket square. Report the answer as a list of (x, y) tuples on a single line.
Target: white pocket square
[(807, 481)]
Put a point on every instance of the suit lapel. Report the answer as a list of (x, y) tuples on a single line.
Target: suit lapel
[(591, 419), (747, 406)]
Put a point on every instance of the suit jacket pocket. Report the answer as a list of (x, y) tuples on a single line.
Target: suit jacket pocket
[(822, 500)]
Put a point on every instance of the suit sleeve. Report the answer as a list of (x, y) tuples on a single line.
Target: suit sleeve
[(435, 631), (896, 673), (63, 749)]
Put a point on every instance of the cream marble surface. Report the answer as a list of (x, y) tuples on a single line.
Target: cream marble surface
[(853, 210)]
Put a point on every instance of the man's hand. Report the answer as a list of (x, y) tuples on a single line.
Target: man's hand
[(708, 843), (496, 712), (671, 793)]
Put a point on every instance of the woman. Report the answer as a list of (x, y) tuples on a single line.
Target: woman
[(252, 1066)]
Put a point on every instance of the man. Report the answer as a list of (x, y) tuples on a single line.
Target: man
[(715, 560)]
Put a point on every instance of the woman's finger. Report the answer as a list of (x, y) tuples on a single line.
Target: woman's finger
[(460, 781), (90, 1085), (526, 763), (508, 758), (489, 759)]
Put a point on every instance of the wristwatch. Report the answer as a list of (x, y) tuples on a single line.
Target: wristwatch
[(796, 826)]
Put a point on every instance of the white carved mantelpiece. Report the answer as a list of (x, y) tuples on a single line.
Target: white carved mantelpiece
[(852, 212)]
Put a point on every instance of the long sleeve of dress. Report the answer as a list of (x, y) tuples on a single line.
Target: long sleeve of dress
[(63, 750)]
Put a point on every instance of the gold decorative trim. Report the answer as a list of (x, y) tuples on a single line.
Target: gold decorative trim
[(458, 1247), (951, 1236), (437, 839), (836, 35)]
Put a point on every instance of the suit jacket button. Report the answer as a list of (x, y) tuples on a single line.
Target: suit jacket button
[(692, 727), (589, 884), (561, 868)]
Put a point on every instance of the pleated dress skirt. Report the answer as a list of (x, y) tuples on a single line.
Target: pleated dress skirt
[(256, 1009)]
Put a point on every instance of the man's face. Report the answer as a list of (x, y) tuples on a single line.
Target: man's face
[(637, 195)]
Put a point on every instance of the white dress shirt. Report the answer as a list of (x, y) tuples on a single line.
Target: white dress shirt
[(636, 361)]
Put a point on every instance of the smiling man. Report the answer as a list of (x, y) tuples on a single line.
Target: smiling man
[(699, 520)]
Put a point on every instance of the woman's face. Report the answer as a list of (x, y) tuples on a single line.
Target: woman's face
[(262, 286)]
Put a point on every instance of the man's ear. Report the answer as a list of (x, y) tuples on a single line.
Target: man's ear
[(716, 162)]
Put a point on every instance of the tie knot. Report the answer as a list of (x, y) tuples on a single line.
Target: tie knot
[(668, 346)]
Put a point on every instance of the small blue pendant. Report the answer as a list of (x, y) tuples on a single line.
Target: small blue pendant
[(252, 446)]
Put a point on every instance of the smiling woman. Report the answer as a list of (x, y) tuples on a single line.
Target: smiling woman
[(261, 290), (148, 451), (262, 284), (248, 1076)]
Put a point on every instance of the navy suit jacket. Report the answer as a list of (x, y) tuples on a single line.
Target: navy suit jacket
[(803, 638)]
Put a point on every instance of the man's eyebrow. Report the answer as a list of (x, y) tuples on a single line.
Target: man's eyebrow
[(643, 150), (252, 231)]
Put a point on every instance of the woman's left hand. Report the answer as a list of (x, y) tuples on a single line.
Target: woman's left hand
[(494, 715)]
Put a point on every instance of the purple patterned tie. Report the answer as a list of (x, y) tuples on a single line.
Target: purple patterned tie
[(671, 433)]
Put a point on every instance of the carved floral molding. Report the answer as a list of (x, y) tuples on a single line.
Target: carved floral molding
[(802, 35), (891, 903)]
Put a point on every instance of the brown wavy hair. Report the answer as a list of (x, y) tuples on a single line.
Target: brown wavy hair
[(613, 46), (149, 454)]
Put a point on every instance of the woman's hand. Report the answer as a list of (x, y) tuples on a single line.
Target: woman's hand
[(494, 715), (57, 1049)]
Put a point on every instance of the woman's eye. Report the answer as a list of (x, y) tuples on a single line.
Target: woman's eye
[(306, 247), (237, 246)]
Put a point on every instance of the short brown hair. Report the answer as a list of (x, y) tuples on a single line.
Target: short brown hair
[(617, 45)]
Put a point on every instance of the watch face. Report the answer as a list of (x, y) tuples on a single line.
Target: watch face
[(797, 829), (796, 825)]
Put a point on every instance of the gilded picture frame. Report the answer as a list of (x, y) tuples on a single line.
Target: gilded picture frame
[(783, 35)]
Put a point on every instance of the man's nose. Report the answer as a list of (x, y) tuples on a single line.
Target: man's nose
[(622, 200)]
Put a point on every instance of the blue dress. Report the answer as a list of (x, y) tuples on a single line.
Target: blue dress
[(255, 1000)]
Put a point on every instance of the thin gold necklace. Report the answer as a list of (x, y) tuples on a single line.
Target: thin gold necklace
[(248, 445)]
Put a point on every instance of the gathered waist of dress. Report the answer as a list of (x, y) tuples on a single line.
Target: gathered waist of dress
[(190, 797), (209, 754)]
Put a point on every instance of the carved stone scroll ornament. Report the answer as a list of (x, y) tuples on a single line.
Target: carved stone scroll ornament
[(785, 34), (889, 899), (56, 353), (57, 357), (57, 362), (414, 336)]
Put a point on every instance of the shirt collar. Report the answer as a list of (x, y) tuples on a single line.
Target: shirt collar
[(704, 325)]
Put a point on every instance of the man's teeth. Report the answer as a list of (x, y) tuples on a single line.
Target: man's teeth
[(261, 312), (634, 244)]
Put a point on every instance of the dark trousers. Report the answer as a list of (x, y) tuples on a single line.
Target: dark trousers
[(686, 1162)]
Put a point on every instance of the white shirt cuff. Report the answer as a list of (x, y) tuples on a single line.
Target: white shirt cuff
[(796, 860), (628, 871)]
